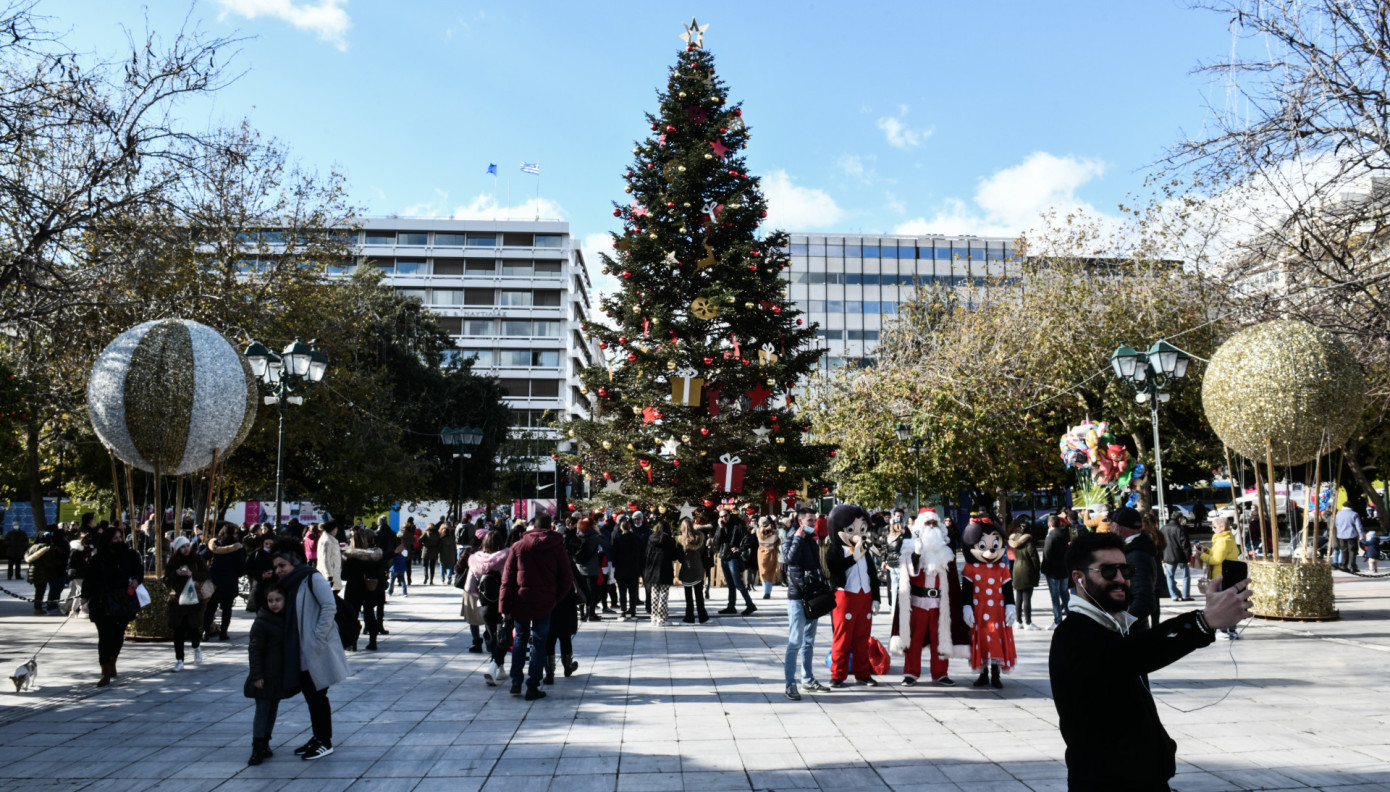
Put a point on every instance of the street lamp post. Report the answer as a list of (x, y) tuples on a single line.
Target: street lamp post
[(905, 435), (296, 364), (1150, 373), (465, 438)]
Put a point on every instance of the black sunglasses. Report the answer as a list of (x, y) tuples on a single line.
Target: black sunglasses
[(1108, 571)]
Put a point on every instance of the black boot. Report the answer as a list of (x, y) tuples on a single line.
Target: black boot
[(371, 644), (994, 677), (983, 679), (550, 670), (571, 665), (260, 751)]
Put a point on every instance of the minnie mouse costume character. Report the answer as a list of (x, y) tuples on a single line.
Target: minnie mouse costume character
[(989, 594), (928, 609), (851, 566)]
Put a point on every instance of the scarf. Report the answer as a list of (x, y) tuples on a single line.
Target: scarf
[(480, 563), (291, 583)]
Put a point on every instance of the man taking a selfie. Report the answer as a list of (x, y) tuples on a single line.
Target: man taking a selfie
[(1097, 668)]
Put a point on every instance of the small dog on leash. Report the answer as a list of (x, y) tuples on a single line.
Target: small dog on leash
[(26, 676)]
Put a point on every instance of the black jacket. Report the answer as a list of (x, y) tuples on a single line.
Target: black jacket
[(107, 585), (803, 555), (227, 565), (267, 657), (629, 555), (1179, 547), (1054, 554), (1141, 553), (662, 551), (1095, 670), (839, 565)]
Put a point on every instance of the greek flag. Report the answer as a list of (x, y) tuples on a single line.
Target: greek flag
[(531, 167), (492, 169)]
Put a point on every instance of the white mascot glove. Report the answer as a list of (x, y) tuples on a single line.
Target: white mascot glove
[(969, 613), (874, 610), (1010, 615)]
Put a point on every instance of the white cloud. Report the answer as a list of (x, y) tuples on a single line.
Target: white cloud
[(484, 207), (899, 135), (1012, 200), (790, 206), (595, 245), (327, 18)]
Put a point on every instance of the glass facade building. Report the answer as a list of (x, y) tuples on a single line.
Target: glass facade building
[(851, 285)]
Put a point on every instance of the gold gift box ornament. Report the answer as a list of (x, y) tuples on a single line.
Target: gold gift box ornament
[(685, 386)]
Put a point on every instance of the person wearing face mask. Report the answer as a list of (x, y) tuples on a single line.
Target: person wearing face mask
[(1097, 667)]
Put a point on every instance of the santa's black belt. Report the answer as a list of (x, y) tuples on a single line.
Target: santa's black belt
[(930, 593)]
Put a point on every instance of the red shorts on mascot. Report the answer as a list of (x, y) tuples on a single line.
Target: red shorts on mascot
[(853, 574), (989, 600), (928, 609)]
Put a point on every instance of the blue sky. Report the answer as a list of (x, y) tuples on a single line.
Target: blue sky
[(874, 116)]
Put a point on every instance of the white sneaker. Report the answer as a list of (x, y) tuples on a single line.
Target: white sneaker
[(1222, 635), (178, 666), (1033, 626), (490, 675), (197, 656)]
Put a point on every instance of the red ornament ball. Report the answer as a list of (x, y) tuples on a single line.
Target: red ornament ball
[(572, 507), (709, 361), (738, 112), (607, 476), (670, 128), (754, 253), (744, 361), (798, 321), (603, 345), (622, 340), (632, 357), (627, 273), (578, 468), (653, 127), (704, 430), (753, 267), (709, 504), (776, 309), (617, 213), (676, 462), (603, 391), (834, 453), (764, 213)]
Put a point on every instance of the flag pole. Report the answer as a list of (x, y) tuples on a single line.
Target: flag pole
[(494, 193), (538, 194), (509, 197)]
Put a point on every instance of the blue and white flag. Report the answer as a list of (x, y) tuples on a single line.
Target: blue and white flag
[(531, 167), (492, 169)]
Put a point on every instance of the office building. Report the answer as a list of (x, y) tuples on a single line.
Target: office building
[(851, 285)]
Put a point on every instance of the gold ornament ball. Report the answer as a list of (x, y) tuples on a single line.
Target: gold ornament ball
[(661, 509), (687, 204), (629, 446), (670, 365), (704, 453), (607, 444), (1284, 384), (734, 206), (627, 188), (584, 389), (682, 94), (771, 381), (781, 468), (781, 440), (680, 168), (636, 410), (729, 299), (748, 305), (709, 156), (685, 438)]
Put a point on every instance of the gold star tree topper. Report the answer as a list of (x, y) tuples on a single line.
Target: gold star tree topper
[(694, 34)]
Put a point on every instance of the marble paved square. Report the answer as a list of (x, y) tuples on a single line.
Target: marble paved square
[(1289, 706)]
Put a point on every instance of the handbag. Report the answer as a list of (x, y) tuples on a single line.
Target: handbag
[(205, 590), (817, 599), (372, 584)]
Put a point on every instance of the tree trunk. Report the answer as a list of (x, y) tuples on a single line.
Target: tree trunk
[(1349, 452), (31, 469)]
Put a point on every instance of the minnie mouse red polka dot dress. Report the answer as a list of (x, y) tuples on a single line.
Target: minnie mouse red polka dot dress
[(992, 640)]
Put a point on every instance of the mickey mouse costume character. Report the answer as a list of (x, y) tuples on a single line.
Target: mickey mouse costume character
[(851, 566), (928, 610), (989, 592)]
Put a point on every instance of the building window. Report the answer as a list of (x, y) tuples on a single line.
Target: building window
[(550, 240), (545, 358), (482, 267), (411, 267), (448, 240), (482, 358), (854, 251), (448, 267), (479, 327), (516, 269), (482, 240), (514, 328), (545, 389), (451, 325), (870, 251), (547, 269), (546, 330), (518, 299), (547, 298), (854, 306), (418, 294), (817, 306), (516, 358), (415, 238), (518, 240), (516, 388), (834, 306), (381, 237), (477, 297), (799, 250), (448, 296), (828, 334)]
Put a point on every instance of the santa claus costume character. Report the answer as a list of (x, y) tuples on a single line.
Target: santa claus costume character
[(928, 610), (989, 601), (851, 565)]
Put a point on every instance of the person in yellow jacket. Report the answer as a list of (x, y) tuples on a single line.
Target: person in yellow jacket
[(1223, 548)]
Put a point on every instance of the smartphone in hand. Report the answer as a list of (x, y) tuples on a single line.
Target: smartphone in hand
[(1232, 572)]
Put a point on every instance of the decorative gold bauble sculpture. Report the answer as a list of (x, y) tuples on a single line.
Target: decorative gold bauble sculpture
[(1302, 592), (1284, 384)]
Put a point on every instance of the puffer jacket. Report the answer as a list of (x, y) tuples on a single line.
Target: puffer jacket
[(692, 561), (430, 542), (360, 565), (480, 564), (662, 552), (1223, 548), (537, 574), (228, 565), (1025, 571), (267, 657)]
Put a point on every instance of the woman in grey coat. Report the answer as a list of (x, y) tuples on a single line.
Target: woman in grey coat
[(311, 633)]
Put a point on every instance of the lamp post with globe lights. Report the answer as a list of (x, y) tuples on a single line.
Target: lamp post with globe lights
[(295, 365), (1150, 373), (465, 439), (905, 436)]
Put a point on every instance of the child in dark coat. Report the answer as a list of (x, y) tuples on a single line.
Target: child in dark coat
[(265, 682)]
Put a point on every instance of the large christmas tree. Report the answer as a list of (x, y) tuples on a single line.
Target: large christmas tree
[(695, 399)]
